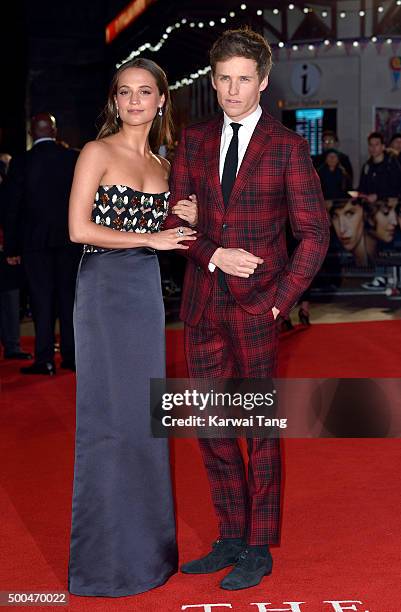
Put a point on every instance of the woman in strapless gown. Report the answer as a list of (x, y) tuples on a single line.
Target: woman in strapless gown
[(123, 527)]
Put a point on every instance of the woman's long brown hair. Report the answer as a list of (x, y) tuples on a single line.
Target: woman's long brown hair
[(161, 130)]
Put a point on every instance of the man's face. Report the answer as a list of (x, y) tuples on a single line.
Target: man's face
[(238, 87), (332, 160), (348, 225), (329, 142), (376, 147)]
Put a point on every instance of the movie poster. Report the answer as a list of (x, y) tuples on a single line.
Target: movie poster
[(387, 121), (364, 231)]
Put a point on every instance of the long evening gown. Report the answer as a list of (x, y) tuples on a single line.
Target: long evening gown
[(123, 529)]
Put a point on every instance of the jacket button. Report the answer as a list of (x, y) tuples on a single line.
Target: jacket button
[(224, 226), (198, 268)]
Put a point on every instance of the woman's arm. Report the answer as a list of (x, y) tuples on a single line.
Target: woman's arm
[(89, 170)]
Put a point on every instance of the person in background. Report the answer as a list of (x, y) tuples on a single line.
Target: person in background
[(380, 179), (329, 142), (334, 178), (9, 288), (381, 173), (36, 232), (394, 146), (5, 159)]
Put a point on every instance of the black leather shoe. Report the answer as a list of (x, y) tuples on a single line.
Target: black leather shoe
[(248, 571), (68, 364), (225, 552), (18, 355), (40, 368)]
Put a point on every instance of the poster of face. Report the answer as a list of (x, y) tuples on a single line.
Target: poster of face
[(364, 229)]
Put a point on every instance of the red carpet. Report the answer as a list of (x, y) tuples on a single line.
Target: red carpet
[(341, 507)]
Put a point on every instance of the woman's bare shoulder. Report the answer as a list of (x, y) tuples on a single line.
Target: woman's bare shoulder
[(97, 147), (95, 151)]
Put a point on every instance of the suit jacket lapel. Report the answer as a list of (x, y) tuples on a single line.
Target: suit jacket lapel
[(257, 146), (212, 158)]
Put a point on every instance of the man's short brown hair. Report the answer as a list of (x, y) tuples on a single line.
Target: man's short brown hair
[(243, 42), (377, 135)]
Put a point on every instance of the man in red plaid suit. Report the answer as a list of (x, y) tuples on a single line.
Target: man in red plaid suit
[(250, 174)]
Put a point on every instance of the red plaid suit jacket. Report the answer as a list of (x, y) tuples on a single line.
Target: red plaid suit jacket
[(276, 181)]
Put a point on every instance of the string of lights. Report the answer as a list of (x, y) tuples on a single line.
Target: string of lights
[(187, 23), (302, 47), (232, 14)]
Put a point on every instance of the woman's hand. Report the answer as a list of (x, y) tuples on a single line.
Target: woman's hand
[(187, 210), (171, 239)]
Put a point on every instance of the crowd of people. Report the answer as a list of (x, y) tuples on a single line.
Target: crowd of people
[(380, 175), (366, 217)]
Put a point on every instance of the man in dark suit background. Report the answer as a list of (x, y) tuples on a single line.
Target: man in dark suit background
[(36, 233), (10, 282), (250, 175)]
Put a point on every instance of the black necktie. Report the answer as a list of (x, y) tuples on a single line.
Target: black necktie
[(227, 182), (230, 165)]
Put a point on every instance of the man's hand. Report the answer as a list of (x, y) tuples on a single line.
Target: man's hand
[(13, 261), (236, 262)]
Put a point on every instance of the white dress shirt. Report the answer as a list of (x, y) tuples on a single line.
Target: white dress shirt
[(244, 136)]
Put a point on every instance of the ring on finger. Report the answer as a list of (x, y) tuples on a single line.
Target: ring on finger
[(180, 232)]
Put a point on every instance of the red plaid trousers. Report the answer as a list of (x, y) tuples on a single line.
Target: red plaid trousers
[(229, 342)]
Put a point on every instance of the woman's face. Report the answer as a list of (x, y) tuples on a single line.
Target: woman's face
[(385, 221), (348, 225), (137, 97), (332, 160)]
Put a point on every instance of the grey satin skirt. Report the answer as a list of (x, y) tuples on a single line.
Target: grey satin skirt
[(123, 528)]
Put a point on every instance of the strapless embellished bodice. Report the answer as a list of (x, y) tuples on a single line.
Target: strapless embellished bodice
[(125, 209)]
